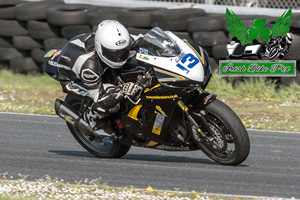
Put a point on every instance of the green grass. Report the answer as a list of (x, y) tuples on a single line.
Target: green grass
[(258, 102), (57, 189), (28, 93)]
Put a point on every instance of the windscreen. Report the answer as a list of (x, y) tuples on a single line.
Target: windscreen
[(158, 43)]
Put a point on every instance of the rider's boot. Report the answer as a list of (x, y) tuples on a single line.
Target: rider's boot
[(90, 117)]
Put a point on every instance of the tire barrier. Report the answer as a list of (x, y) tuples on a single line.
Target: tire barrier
[(9, 53), (174, 19), (29, 29), (7, 9), (137, 17), (102, 13), (34, 10), (42, 30), (206, 23), (24, 65), (206, 38), (69, 32), (54, 43), (26, 43), (11, 28), (6, 42), (69, 14), (37, 55)]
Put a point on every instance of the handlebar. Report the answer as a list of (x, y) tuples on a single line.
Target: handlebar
[(143, 81)]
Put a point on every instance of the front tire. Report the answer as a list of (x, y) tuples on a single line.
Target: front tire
[(230, 143), (97, 147)]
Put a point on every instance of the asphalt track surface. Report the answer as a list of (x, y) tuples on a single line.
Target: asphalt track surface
[(42, 145)]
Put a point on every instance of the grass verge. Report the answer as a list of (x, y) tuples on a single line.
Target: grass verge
[(256, 101), (27, 93), (48, 188)]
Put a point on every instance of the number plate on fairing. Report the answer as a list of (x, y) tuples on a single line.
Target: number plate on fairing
[(158, 123)]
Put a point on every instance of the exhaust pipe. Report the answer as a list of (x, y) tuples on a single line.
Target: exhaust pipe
[(66, 112)]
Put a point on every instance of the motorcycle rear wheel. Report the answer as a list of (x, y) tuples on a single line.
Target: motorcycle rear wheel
[(230, 143), (110, 149)]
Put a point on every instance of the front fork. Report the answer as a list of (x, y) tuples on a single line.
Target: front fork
[(199, 103)]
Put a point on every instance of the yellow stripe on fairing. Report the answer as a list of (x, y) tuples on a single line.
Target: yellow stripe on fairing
[(156, 86), (134, 112), (201, 58), (170, 79)]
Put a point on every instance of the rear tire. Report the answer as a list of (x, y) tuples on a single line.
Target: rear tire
[(231, 143), (114, 150)]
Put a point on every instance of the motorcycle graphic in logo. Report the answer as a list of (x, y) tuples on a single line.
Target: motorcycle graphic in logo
[(270, 43)]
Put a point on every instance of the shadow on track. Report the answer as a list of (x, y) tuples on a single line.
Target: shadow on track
[(140, 157), (168, 158), (72, 153)]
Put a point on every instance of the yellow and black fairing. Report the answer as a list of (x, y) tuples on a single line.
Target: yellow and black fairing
[(206, 64), (149, 121), (172, 79)]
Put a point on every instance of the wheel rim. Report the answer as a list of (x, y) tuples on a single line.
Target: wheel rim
[(97, 144), (274, 52), (222, 144)]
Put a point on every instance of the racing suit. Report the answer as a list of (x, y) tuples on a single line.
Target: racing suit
[(80, 70)]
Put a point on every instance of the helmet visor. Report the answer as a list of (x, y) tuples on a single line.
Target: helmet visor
[(119, 55)]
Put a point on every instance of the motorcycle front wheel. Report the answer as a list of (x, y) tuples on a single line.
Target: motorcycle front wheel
[(229, 144), (274, 53), (100, 148)]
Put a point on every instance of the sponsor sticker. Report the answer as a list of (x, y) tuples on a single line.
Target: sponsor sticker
[(121, 42), (68, 118), (89, 76), (50, 53), (143, 51), (66, 58), (162, 97), (158, 123), (55, 54)]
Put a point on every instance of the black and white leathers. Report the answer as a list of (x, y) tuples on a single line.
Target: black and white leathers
[(80, 68), (80, 71)]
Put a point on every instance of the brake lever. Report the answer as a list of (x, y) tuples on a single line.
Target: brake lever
[(143, 81), (135, 103)]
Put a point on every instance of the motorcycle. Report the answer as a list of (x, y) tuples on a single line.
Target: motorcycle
[(172, 112), (277, 47)]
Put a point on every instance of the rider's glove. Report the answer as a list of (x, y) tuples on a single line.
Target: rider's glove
[(130, 89)]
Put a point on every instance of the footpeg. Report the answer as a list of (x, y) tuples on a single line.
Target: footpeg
[(101, 133)]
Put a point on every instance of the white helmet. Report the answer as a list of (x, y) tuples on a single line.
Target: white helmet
[(112, 43), (290, 37)]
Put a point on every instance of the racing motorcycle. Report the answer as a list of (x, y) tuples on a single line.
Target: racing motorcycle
[(172, 112), (278, 46)]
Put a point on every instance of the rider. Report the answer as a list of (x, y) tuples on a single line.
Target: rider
[(84, 59), (280, 43)]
